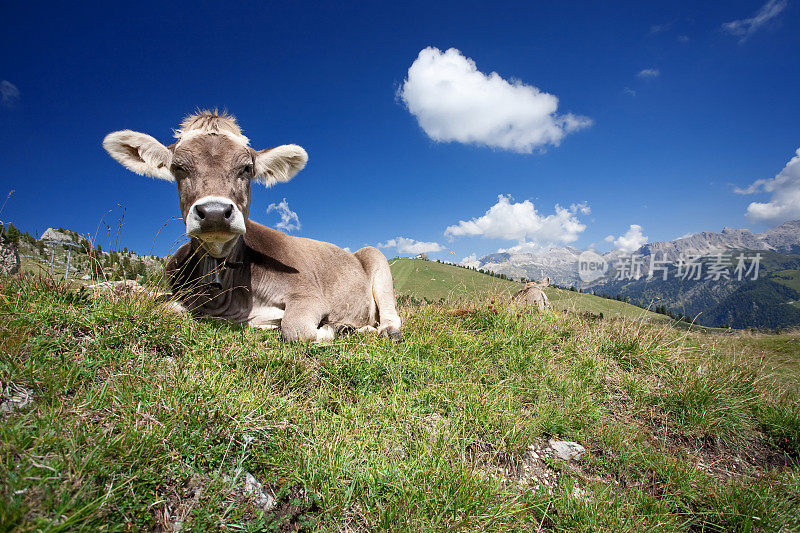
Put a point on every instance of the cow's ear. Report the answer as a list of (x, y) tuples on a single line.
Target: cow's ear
[(279, 164), (140, 153)]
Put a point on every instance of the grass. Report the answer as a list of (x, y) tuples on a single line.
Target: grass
[(438, 281), (790, 278), (435, 281), (141, 419), (778, 353), (580, 302)]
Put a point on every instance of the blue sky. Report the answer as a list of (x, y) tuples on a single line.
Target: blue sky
[(673, 105)]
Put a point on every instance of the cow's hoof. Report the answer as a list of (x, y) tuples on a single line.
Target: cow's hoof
[(392, 333), (343, 330)]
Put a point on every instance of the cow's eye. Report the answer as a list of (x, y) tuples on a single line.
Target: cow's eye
[(246, 171), (179, 170)]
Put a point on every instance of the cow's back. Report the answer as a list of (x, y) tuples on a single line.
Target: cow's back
[(533, 296)]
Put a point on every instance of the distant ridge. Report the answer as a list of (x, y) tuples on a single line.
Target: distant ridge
[(784, 239), (560, 263)]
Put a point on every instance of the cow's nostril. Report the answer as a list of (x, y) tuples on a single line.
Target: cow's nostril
[(214, 215)]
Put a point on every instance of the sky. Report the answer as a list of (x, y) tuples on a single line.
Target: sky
[(451, 128)]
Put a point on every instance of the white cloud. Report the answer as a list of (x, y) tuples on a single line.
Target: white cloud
[(648, 73), (454, 101), (521, 222), (410, 246), (744, 28), (631, 241), (784, 204), (9, 94), (289, 220), (470, 261), (526, 247), (628, 90)]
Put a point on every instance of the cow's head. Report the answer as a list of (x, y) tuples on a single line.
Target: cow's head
[(213, 166), (541, 284)]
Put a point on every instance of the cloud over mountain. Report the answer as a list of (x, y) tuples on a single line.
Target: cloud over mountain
[(521, 222), (784, 204), (632, 240)]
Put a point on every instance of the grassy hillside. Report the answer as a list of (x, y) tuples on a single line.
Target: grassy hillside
[(142, 420), (579, 302), (435, 281), (780, 353), (790, 278)]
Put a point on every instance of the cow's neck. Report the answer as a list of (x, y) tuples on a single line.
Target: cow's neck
[(217, 250), (213, 266)]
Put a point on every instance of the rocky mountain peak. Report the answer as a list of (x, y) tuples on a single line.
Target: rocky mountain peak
[(560, 262)]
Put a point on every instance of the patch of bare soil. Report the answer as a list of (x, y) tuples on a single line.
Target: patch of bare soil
[(177, 502), (291, 509), (752, 459), (530, 468), (294, 510)]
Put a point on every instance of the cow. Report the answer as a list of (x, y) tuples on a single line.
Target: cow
[(533, 294), (238, 270)]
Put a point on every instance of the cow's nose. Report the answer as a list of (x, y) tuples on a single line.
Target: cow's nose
[(214, 212)]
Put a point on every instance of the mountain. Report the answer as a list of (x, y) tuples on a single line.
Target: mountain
[(772, 300), (784, 238), (769, 299), (560, 264), (87, 264)]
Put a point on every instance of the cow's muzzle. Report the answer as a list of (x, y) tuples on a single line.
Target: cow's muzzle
[(214, 218)]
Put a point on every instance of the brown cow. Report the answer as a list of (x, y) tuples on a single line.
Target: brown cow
[(238, 270), (533, 294)]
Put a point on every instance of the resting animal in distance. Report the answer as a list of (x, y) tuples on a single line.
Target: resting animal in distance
[(239, 270), (533, 294)]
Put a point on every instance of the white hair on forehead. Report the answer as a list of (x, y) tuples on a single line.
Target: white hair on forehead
[(205, 122)]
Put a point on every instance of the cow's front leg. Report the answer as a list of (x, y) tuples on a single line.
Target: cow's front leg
[(301, 322)]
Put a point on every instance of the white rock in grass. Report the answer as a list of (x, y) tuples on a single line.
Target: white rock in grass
[(261, 497), (567, 450), (245, 483)]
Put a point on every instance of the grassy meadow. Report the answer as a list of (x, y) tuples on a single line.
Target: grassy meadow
[(436, 281), (142, 420)]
